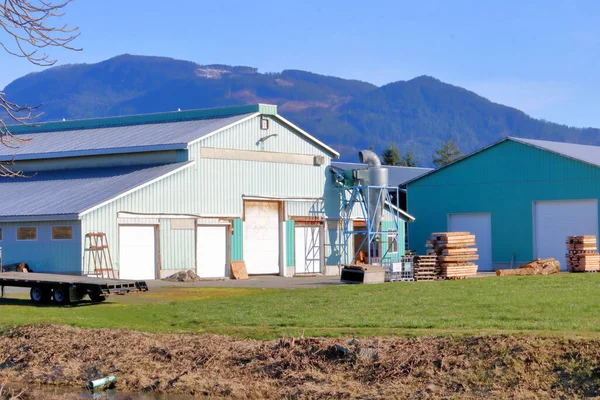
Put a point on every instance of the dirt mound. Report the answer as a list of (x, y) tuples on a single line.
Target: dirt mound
[(219, 366)]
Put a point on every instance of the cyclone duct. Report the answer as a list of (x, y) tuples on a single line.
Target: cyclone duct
[(377, 177)]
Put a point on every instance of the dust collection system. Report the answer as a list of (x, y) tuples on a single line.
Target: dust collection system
[(365, 194)]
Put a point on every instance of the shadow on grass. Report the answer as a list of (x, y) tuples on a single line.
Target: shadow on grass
[(28, 303)]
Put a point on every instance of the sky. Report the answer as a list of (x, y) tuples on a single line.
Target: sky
[(538, 56)]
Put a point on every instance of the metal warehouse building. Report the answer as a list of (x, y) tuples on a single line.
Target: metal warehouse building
[(520, 197), (174, 191)]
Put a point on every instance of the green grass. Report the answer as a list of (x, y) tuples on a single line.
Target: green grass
[(560, 305)]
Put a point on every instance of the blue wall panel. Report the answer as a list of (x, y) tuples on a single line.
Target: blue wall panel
[(44, 254)]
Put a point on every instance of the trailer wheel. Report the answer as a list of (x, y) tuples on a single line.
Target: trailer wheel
[(39, 295), (97, 298), (61, 295)]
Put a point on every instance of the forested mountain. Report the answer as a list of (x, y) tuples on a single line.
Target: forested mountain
[(418, 114)]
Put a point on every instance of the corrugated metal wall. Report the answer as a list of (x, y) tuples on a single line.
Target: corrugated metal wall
[(177, 246), (43, 254), (290, 243), (389, 225), (503, 180), (237, 240), (251, 178)]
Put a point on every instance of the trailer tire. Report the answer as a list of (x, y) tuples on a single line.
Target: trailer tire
[(61, 295), (39, 295), (97, 298)]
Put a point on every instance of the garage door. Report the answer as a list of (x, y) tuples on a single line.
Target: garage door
[(137, 252), (211, 251), (555, 220), (261, 237), (308, 249), (479, 225)]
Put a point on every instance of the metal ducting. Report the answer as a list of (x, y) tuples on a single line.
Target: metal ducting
[(377, 177), (370, 158)]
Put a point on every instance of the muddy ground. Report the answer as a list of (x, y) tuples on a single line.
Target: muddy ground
[(220, 366)]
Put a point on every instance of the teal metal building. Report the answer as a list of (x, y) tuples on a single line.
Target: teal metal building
[(520, 197), (187, 190)]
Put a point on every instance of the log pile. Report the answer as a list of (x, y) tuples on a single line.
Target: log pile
[(582, 254), (425, 268), (540, 266), (455, 254)]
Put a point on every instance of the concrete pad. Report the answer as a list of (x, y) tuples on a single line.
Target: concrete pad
[(267, 282)]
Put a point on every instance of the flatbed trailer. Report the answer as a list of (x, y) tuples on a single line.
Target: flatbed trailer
[(66, 289)]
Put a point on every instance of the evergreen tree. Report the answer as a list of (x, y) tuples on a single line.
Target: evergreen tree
[(391, 155), (447, 153), (408, 160)]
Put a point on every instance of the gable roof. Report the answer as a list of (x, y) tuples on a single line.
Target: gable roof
[(136, 133), (115, 139), (396, 175), (64, 195), (580, 152)]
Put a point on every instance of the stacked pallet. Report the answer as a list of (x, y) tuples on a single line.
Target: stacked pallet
[(582, 254), (425, 268), (455, 254)]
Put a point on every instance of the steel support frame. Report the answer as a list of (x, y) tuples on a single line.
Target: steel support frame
[(361, 196)]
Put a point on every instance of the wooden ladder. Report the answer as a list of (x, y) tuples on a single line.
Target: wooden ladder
[(96, 257)]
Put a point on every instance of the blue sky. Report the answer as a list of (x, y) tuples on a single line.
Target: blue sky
[(539, 56)]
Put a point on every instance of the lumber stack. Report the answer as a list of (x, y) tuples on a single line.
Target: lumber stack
[(425, 268), (455, 253), (582, 254), (545, 266)]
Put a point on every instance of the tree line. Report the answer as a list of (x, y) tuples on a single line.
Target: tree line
[(447, 153)]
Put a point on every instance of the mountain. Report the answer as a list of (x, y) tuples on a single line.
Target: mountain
[(418, 114)]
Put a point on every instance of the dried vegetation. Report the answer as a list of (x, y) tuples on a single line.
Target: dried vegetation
[(221, 366)]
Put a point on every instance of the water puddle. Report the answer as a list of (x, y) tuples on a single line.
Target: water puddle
[(40, 392)]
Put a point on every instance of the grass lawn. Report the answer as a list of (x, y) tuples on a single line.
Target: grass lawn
[(558, 305)]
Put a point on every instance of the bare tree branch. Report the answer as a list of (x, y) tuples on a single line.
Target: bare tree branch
[(26, 28)]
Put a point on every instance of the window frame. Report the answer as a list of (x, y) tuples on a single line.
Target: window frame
[(392, 235), (27, 227), (62, 226)]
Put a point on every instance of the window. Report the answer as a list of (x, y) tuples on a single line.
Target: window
[(392, 241), (264, 124), (27, 233), (0, 233), (62, 232)]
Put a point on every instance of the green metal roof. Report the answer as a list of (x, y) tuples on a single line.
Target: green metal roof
[(155, 118)]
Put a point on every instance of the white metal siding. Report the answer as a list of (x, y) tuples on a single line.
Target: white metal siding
[(479, 225), (211, 253), (555, 220)]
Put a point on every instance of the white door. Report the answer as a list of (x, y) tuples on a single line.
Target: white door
[(307, 249), (137, 252), (261, 237), (479, 225), (211, 251), (555, 220)]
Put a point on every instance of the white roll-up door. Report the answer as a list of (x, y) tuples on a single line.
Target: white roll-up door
[(137, 252), (307, 249), (261, 237), (211, 251), (479, 225), (555, 220)]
